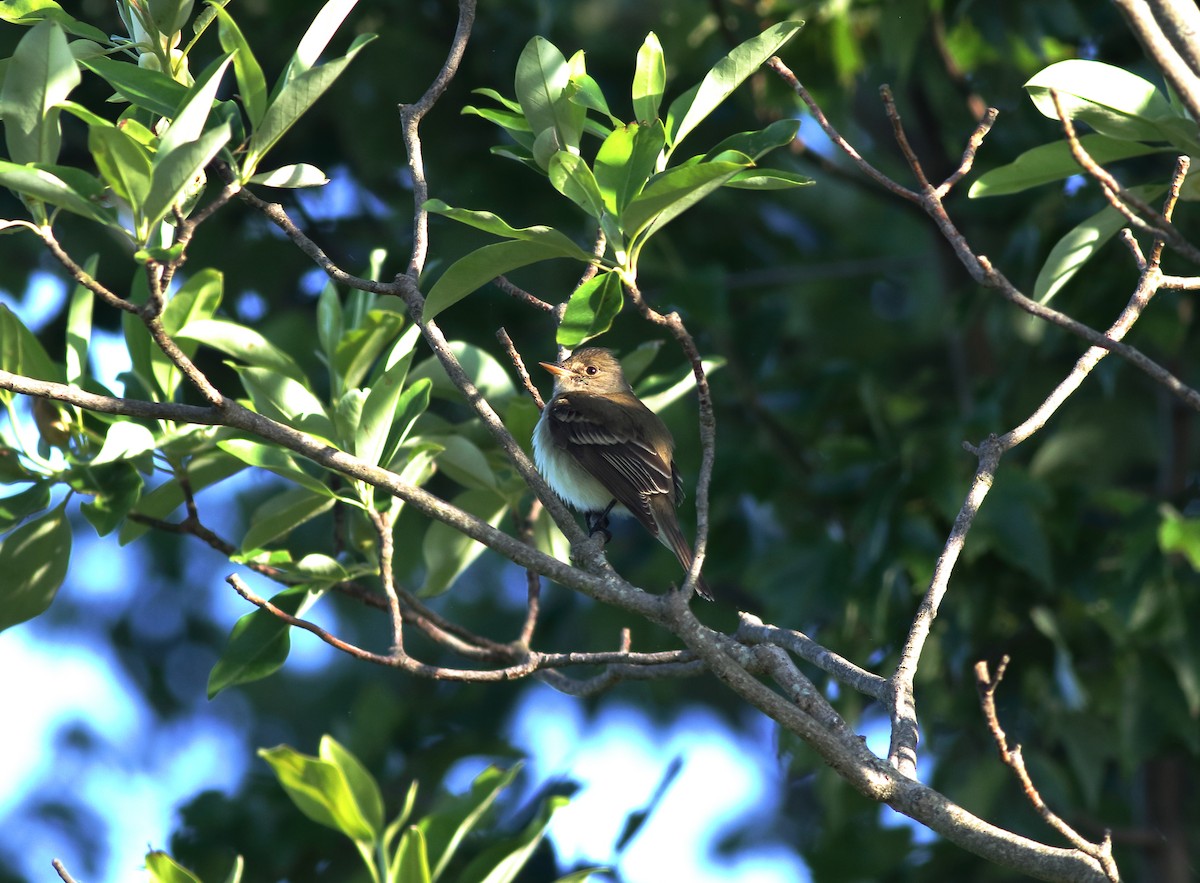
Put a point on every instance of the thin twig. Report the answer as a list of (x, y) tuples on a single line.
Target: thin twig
[(519, 364), (1014, 760), (410, 118), (512, 290), (62, 871)]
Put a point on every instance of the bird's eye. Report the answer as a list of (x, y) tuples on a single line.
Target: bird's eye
[(591, 369)]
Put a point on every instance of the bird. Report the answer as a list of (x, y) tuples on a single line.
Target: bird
[(602, 450)]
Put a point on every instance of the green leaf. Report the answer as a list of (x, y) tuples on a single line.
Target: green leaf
[(239, 866), (123, 163), (361, 345), (649, 80), (463, 461), (288, 401), (591, 310), (383, 404), (125, 440), (242, 343), (483, 265), (259, 643), (683, 383), (491, 223), (274, 460), (542, 75), (410, 862), (1078, 246), (625, 162), (445, 829), (1111, 100), (447, 552), (1052, 162), (196, 301), (572, 178), (320, 791), (177, 173), (15, 508), (673, 192), (401, 819), (760, 142), (501, 862), (33, 559), (584, 91), (691, 108), (362, 784), (297, 95), (323, 28), (40, 75), (1180, 536), (30, 12), (489, 376), (21, 352), (188, 123), (291, 177), (281, 514), (252, 86), (164, 869), (117, 488), (49, 187), (768, 179), (412, 403), (148, 89)]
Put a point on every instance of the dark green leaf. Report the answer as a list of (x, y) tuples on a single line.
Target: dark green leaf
[(447, 552), (33, 559), (15, 508), (145, 88), (483, 265), (259, 643)]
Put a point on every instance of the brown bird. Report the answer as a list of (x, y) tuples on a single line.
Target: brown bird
[(599, 447)]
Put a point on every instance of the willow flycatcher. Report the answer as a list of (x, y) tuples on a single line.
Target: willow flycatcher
[(599, 447)]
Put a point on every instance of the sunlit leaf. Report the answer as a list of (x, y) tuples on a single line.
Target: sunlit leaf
[(293, 176), (649, 80), (693, 107), (1053, 162), (320, 791), (591, 310), (40, 75), (1078, 246), (252, 86), (164, 869), (498, 226), (572, 177), (241, 343)]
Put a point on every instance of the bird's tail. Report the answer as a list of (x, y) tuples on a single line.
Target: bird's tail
[(670, 534)]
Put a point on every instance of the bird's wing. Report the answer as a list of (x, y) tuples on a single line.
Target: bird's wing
[(611, 449)]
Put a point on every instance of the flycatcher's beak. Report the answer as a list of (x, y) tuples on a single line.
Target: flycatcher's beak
[(556, 370)]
